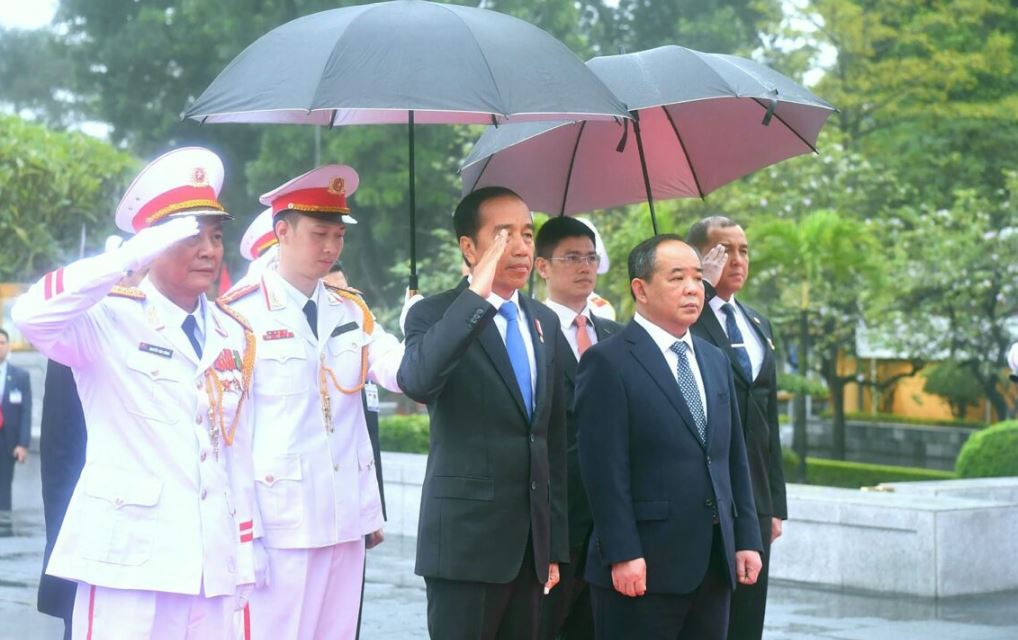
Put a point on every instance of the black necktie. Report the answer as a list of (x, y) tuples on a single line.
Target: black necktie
[(311, 313), (190, 328), (738, 342)]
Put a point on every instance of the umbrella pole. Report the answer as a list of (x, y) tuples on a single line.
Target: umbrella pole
[(413, 285), (643, 166)]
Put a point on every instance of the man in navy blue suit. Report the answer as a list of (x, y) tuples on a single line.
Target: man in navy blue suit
[(664, 463), (15, 421)]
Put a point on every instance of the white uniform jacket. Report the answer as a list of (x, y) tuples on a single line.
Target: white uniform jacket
[(315, 481), (161, 504)]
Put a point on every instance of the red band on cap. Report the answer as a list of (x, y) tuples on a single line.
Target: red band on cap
[(174, 200), (318, 200), (259, 246)]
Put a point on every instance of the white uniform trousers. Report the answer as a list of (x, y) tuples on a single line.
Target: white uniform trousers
[(312, 594), (101, 613)]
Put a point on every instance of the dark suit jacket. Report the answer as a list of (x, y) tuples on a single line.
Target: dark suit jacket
[(494, 479), (17, 429), (653, 486), (371, 420), (758, 408), (580, 520), (61, 457)]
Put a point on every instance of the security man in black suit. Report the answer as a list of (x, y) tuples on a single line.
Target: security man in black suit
[(15, 422), (567, 261), (61, 458), (484, 358), (664, 464), (746, 337)]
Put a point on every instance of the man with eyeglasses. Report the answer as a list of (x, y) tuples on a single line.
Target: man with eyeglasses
[(567, 260)]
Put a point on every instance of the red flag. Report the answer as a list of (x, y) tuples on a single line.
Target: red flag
[(225, 283)]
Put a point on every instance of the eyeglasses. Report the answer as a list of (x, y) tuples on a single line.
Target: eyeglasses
[(575, 259)]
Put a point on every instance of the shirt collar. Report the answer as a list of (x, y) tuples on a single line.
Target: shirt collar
[(294, 294), (566, 315), (169, 313), (717, 302), (663, 339)]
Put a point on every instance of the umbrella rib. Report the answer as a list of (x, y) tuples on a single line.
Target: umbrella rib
[(569, 174), (480, 174), (787, 126), (689, 160)]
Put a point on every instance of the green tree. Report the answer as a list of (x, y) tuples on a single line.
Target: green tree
[(824, 273), (53, 188), (955, 384)]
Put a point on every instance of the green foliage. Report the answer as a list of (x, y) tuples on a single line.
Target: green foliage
[(954, 384), (853, 475), (404, 433), (52, 185), (795, 383), (991, 452), (895, 418)]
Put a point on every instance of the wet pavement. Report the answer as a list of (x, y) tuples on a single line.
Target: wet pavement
[(395, 605)]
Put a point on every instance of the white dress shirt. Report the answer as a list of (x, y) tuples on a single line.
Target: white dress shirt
[(567, 320), (754, 347), (503, 325), (664, 341), (172, 315), (297, 296)]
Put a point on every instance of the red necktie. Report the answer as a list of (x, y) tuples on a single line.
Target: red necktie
[(1, 418), (582, 337)]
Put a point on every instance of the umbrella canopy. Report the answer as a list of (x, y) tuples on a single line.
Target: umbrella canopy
[(701, 121), (405, 61), (373, 64)]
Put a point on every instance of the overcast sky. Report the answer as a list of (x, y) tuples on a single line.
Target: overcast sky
[(26, 14)]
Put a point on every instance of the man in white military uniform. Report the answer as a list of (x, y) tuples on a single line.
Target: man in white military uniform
[(315, 479), (158, 530)]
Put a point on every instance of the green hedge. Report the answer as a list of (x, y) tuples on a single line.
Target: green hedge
[(852, 475), (893, 417), (405, 434), (990, 453)]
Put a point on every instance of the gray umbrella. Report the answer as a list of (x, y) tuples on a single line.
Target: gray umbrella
[(406, 61), (701, 120)]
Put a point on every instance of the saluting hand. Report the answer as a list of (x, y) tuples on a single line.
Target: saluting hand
[(483, 273), (630, 578), (714, 262), (143, 248), (553, 578)]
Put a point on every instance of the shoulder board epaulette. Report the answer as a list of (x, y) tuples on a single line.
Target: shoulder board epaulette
[(355, 297), (225, 307), (127, 292), (233, 295)]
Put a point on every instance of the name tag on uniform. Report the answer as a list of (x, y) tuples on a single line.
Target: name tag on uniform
[(15, 397), (371, 396), (344, 328), (278, 334), (155, 350)]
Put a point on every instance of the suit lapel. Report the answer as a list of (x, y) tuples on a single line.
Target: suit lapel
[(757, 324), (331, 314), (215, 338), (711, 383), (653, 361), (709, 321), (540, 351), (491, 341), (284, 311), (174, 336)]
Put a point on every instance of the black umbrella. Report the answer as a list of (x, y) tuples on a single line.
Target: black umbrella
[(406, 61), (701, 120)]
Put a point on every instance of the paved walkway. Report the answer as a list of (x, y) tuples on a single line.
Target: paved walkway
[(395, 604)]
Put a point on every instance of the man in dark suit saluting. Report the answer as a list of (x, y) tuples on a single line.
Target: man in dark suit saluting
[(747, 339), (664, 463), (567, 261), (484, 359)]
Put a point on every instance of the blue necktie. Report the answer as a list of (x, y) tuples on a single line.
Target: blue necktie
[(311, 313), (190, 328), (687, 385), (738, 343), (518, 354)]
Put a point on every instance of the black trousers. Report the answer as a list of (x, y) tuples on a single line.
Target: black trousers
[(746, 619), (566, 611), (7, 463), (700, 615), (460, 610)]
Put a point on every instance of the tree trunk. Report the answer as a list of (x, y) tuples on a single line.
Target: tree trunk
[(799, 444)]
